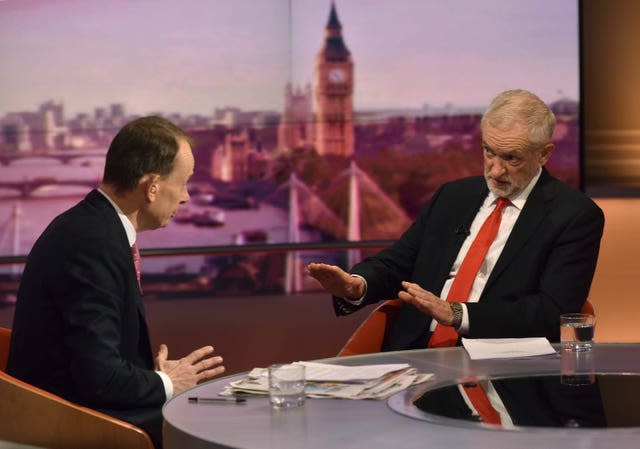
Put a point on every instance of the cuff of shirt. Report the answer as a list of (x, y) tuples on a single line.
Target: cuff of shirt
[(357, 302), (168, 385), (464, 324)]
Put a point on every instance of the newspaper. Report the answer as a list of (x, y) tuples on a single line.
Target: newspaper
[(325, 380)]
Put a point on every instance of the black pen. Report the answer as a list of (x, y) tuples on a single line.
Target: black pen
[(217, 400)]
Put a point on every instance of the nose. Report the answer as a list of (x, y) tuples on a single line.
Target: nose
[(497, 168), (185, 197)]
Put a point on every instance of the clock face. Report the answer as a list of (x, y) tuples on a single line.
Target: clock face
[(337, 75)]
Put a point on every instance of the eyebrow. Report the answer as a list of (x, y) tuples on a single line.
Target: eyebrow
[(510, 152)]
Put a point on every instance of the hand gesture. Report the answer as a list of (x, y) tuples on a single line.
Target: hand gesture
[(189, 371), (427, 303), (336, 281)]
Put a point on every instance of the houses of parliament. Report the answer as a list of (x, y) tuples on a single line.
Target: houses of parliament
[(235, 146), (316, 118), (329, 128)]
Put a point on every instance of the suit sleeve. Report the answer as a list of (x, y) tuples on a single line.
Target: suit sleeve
[(385, 271)]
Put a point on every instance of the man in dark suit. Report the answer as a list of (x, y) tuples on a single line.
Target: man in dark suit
[(539, 266), (79, 327)]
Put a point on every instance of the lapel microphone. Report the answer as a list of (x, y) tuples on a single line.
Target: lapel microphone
[(462, 230)]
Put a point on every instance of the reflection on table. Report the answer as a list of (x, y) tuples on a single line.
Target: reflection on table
[(323, 423), (545, 401)]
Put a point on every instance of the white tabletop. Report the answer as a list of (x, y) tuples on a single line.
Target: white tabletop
[(324, 423)]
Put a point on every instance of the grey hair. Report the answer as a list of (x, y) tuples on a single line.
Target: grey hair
[(519, 106)]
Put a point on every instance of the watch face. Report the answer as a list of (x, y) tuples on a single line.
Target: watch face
[(337, 76)]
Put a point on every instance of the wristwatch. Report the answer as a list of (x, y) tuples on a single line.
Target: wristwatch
[(456, 308)]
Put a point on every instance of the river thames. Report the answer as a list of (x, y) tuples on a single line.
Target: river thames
[(22, 219)]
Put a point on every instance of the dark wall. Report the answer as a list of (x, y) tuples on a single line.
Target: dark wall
[(252, 331), (247, 332)]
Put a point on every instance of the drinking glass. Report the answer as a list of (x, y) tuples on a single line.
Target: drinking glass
[(576, 331), (286, 386)]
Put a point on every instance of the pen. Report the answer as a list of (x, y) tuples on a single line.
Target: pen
[(217, 400)]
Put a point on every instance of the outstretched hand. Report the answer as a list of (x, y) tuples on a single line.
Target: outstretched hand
[(427, 303), (197, 367), (336, 281)]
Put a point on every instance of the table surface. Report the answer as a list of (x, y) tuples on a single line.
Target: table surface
[(324, 423)]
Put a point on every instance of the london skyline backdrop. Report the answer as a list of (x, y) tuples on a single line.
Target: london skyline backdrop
[(193, 56)]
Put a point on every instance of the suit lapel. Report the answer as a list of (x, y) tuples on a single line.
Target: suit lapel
[(535, 210), (113, 221), (460, 229)]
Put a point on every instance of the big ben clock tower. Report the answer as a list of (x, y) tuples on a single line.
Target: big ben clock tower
[(333, 92)]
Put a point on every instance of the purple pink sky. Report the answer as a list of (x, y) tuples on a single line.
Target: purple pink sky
[(191, 56)]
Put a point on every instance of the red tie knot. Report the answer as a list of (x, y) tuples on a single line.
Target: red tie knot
[(501, 203)]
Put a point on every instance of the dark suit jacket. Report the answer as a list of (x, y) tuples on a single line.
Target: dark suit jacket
[(545, 268), (79, 327)]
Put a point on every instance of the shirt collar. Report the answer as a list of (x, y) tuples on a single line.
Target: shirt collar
[(129, 229), (521, 198)]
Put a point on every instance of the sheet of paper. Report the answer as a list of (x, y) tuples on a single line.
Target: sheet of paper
[(502, 348), (315, 371)]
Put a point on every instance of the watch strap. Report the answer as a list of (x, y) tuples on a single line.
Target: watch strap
[(456, 308)]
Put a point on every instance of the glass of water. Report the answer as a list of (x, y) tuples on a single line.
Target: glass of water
[(286, 386), (576, 331)]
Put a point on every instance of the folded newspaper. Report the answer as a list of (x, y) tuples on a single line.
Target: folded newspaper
[(325, 380)]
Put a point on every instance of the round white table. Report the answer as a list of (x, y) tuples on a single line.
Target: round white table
[(337, 423)]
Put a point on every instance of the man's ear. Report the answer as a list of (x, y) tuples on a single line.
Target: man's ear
[(149, 185), (545, 154)]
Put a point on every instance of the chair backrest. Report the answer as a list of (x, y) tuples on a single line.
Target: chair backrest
[(587, 307), (30, 415), (372, 333), (370, 336), (5, 342)]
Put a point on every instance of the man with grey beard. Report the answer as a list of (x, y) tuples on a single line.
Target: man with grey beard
[(537, 263)]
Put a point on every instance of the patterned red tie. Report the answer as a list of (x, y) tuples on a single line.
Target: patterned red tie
[(444, 336), (136, 263)]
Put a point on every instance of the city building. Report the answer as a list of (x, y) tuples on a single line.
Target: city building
[(296, 128), (333, 93)]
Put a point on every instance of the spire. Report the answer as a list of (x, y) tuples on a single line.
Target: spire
[(334, 48), (333, 22)]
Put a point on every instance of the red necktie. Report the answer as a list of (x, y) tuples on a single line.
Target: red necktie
[(481, 403), (444, 336), (136, 263)]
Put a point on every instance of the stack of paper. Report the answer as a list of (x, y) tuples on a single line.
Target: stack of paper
[(337, 381)]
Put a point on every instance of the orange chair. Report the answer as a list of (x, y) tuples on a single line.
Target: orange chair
[(371, 334), (30, 415), (587, 307), (5, 341)]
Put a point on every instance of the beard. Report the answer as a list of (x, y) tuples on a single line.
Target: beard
[(511, 184), (501, 188)]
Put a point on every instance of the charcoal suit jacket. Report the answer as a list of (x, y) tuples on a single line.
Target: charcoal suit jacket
[(79, 327), (545, 268)]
